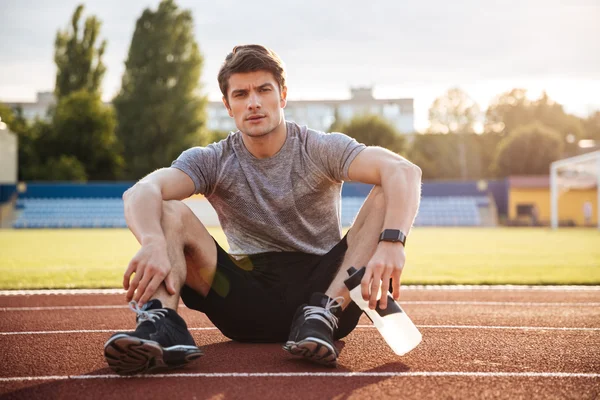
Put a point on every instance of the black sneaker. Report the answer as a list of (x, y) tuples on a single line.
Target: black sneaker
[(312, 331), (161, 340)]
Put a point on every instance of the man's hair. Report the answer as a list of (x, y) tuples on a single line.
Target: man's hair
[(250, 58)]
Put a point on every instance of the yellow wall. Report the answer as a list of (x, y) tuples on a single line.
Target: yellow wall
[(570, 204)]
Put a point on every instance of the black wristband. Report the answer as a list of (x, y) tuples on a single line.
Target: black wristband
[(392, 235)]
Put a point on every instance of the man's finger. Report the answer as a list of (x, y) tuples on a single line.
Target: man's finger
[(385, 287), (139, 274), (364, 285), (150, 289), (127, 275), (396, 284), (141, 289), (375, 283)]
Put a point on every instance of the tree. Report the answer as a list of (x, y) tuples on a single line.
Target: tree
[(78, 61), (84, 128), (62, 168), (529, 150), (511, 110), (438, 155), (373, 130), (159, 111), (592, 126), (454, 112), (508, 111)]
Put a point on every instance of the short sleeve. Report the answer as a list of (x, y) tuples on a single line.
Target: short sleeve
[(333, 153), (201, 164)]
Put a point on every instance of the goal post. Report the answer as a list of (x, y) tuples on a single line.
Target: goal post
[(579, 172)]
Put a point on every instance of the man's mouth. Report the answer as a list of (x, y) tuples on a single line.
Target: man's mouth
[(255, 117)]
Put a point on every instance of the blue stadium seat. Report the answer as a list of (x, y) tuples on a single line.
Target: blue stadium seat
[(70, 213)]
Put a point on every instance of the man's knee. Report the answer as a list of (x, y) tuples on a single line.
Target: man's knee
[(174, 215)]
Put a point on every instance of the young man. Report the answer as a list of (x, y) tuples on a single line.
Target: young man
[(276, 187)]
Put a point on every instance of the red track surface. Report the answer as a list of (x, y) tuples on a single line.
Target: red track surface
[(507, 349)]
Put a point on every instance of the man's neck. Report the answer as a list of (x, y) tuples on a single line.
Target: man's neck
[(268, 145)]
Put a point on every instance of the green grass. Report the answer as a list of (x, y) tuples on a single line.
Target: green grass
[(98, 258)]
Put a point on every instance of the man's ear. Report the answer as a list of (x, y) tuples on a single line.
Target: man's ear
[(226, 103), (283, 101)]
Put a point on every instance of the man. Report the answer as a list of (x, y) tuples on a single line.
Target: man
[(276, 187)]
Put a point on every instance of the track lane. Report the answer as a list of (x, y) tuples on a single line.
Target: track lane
[(441, 350), (450, 350), (421, 314)]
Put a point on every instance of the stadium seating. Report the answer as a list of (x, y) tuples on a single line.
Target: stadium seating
[(108, 212), (433, 211), (70, 213)]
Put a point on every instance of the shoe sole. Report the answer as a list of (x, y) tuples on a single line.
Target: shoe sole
[(314, 349), (129, 355)]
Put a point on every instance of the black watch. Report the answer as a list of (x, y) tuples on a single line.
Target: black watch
[(392, 235)]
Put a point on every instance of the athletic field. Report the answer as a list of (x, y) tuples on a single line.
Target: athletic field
[(35, 259)]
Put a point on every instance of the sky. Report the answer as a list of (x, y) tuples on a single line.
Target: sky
[(414, 49)]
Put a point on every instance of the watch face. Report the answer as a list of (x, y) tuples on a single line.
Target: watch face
[(392, 235)]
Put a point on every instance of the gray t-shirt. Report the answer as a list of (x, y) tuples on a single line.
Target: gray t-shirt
[(288, 202)]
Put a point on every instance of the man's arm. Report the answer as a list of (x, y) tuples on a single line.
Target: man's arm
[(143, 212), (401, 183)]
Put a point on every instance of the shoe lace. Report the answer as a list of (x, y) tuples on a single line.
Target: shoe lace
[(147, 315), (324, 314)]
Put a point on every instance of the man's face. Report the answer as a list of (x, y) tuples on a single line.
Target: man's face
[(255, 102)]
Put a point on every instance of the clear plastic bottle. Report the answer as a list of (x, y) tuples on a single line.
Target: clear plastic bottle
[(393, 324)]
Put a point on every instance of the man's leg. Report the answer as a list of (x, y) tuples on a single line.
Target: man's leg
[(161, 338), (191, 250), (314, 326), (363, 238)]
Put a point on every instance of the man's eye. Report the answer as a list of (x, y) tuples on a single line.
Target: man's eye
[(266, 89)]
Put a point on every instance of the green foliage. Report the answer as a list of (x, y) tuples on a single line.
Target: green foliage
[(529, 150), (373, 130), (62, 168), (80, 138), (214, 136), (511, 110), (508, 111), (84, 128), (454, 112), (78, 61), (438, 155), (158, 108)]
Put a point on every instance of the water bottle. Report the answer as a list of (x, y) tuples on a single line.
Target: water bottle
[(393, 324)]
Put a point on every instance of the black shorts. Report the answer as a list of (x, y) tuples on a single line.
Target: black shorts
[(254, 299)]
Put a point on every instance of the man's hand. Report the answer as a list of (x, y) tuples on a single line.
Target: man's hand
[(151, 266), (386, 263)]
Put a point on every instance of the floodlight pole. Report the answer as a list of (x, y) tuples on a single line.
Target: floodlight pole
[(553, 196)]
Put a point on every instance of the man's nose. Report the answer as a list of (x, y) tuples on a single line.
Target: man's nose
[(253, 102)]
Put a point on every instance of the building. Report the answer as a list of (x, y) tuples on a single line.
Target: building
[(529, 203), (36, 109), (320, 114), (317, 114)]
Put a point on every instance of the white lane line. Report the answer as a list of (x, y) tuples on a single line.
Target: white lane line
[(58, 308), (312, 374), (584, 288), (415, 302), (212, 328), (526, 328)]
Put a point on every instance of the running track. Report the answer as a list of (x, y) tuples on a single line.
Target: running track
[(478, 342)]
